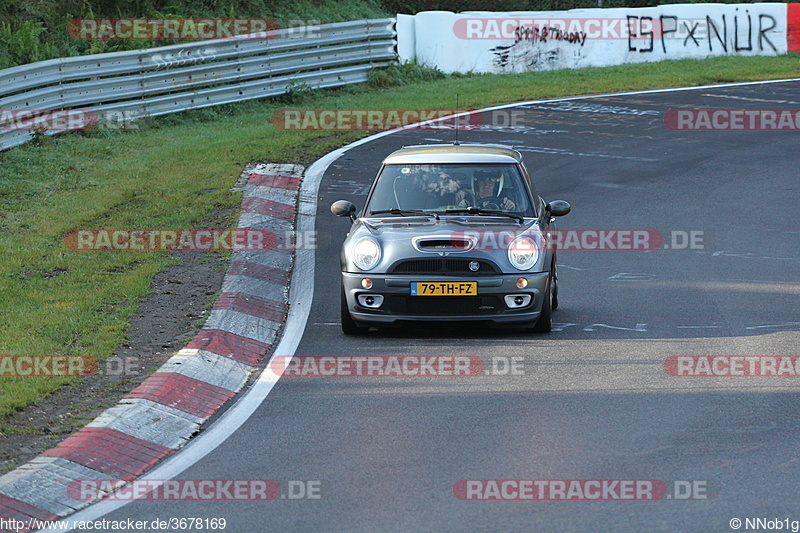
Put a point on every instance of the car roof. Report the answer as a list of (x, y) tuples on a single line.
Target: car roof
[(454, 153)]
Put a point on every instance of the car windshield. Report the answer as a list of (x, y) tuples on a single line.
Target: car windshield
[(447, 187)]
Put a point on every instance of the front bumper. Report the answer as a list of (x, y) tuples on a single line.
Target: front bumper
[(489, 305)]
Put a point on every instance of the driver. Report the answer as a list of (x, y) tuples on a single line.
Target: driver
[(486, 189)]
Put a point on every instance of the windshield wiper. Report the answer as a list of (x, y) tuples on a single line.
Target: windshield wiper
[(479, 211), (404, 212)]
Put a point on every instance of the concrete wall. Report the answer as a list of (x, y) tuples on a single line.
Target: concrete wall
[(535, 41)]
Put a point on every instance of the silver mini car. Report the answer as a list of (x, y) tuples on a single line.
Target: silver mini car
[(450, 232)]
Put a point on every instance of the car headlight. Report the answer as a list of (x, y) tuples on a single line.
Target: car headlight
[(366, 253), (523, 252)]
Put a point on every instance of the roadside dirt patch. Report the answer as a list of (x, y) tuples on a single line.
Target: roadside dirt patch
[(180, 300)]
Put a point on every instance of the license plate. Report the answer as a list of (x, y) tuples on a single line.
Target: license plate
[(444, 288)]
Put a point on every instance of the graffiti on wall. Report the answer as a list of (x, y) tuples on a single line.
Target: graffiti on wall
[(529, 47), (545, 44), (731, 34)]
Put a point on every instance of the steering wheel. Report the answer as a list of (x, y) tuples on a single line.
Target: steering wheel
[(491, 202)]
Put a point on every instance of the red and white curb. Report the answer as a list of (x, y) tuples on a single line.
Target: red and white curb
[(161, 415)]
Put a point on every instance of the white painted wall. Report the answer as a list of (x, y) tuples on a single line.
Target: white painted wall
[(535, 41)]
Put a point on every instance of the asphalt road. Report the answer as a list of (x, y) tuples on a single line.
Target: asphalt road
[(592, 399)]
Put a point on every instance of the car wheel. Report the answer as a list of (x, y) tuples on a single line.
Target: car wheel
[(349, 326), (555, 285), (545, 322)]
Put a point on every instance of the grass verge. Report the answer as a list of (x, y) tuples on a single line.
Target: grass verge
[(173, 171)]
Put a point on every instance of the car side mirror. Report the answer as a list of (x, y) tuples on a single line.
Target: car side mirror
[(558, 208), (343, 208)]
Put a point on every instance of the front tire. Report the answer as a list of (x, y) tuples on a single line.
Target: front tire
[(545, 322), (349, 326), (555, 285)]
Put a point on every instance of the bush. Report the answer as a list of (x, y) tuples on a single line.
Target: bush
[(21, 42)]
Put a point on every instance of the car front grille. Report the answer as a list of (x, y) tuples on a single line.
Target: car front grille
[(444, 266)]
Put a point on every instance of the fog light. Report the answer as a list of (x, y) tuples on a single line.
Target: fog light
[(522, 283), (373, 301), (366, 283), (514, 301)]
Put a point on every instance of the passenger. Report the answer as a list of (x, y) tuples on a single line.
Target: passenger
[(439, 188)]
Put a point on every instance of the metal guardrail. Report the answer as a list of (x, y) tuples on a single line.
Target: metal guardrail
[(169, 79)]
